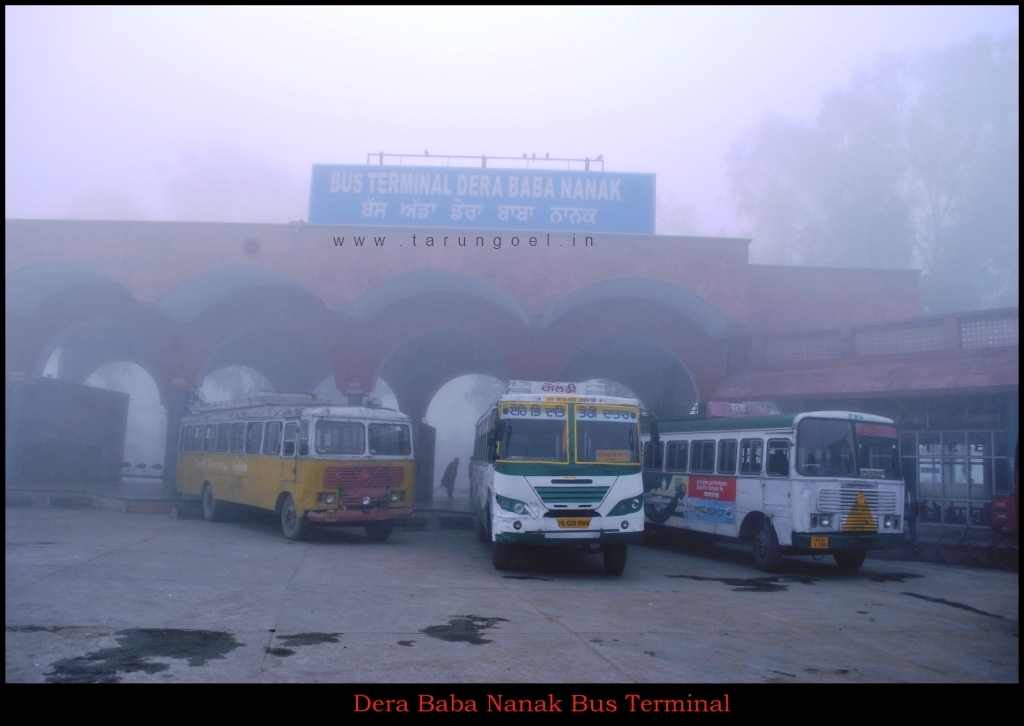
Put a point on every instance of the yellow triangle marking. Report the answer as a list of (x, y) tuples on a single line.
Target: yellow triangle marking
[(860, 517)]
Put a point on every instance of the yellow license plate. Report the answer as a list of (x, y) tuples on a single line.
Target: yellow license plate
[(566, 523), (819, 543)]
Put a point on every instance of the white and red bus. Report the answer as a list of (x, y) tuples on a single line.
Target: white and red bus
[(820, 482)]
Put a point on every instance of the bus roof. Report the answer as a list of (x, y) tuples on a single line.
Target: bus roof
[(745, 423), (243, 410)]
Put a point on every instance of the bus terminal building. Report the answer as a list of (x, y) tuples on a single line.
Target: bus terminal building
[(676, 319)]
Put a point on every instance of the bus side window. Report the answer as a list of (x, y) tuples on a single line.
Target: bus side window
[(198, 433), (676, 455), (184, 438), (272, 442), (778, 457), (703, 459), (237, 437), (304, 438), (253, 438), (750, 456), (291, 430), (223, 437), (211, 438), (727, 456)]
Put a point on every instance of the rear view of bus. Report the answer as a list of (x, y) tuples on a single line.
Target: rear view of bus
[(558, 464)]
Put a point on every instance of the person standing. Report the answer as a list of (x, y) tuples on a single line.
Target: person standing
[(448, 479)]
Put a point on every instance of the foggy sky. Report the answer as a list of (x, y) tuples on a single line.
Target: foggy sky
[(217, 113)]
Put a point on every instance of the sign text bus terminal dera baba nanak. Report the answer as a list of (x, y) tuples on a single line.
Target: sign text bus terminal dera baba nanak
[(483, 198)]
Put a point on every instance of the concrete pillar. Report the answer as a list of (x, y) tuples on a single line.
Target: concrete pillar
[(175, 402)]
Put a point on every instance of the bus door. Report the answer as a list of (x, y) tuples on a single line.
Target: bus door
[(289, 455), (776, 486)]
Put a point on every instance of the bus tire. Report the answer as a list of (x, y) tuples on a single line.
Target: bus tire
[(213, 510), (293, 525), (849, 561), (767, 554), (614, 556), (501, 557), (379, 531)]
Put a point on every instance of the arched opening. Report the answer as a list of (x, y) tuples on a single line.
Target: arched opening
[(233, 383), (145, 438), (453, 412), (51, 369), (615, 388), (655, 376)]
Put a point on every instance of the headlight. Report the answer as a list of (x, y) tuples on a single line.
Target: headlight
[(891, 521), (397, 496), (328, 497), (821, 520), (627, 506), (512, 505)]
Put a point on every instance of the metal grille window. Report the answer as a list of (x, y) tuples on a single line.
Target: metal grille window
[(956, 473), (900, 340), (989, 333)]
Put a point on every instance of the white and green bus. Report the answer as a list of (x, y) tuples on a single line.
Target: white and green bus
[(558, 464), (820, 482)]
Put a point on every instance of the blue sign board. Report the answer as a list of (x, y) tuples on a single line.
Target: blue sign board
[(573, 201)]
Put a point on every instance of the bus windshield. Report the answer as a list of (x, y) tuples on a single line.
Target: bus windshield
[(607, 442), (389, 439), (536, 440), (340, 437), (830, 447)]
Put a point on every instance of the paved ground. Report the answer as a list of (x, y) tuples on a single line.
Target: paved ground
[(102, 596)]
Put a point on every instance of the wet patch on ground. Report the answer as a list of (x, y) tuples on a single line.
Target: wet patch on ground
[(280, 652), (829, 671), (309, 638), (456, 522), (29, 544), (777, 583), (953, 604), (300, 639), (463, 629), (526, 577), (893, 576), (135, 649), (406, 643)]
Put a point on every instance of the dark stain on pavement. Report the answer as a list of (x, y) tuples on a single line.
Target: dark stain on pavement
[(893, 576), (309, 638), (952, 604), (463, 629), (280, 652), (406, 643), (754, 584), (526, 577), (134, 650)]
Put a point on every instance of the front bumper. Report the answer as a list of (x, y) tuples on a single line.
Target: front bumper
[(561, 539), (840, 541), (357, 517)]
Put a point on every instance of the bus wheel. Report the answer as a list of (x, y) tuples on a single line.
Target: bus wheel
[(767, 555), (849, 561), (213, 511), (293, 525), (614, 556), (379, 531), (502, 556)]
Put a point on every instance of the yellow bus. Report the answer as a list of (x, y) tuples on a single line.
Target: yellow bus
[(311, 462)]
